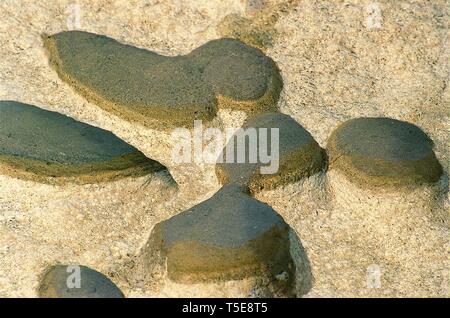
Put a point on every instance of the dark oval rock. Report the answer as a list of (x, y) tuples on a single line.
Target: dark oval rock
[(74, 281), (299, 155), (382, 152), (162, 91), (42, 145), (236, 70), (230, 236), (131, 82)]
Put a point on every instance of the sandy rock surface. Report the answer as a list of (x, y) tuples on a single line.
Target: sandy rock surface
[(338, 59)]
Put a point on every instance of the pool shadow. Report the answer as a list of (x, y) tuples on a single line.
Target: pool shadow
[(303, 276)]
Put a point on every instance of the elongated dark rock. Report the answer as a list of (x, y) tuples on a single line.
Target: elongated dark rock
[(63, 281), (162, 91), (383, 152), (230, 236), (47, 146)]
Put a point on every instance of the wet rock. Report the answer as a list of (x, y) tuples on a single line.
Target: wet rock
[(299, 155), (47, 146), (242, 77), (162, 91), (230, 236), (383, 152), (63, 281)]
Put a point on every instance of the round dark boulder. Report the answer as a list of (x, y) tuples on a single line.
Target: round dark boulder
[(382, 152), (75, 281)]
